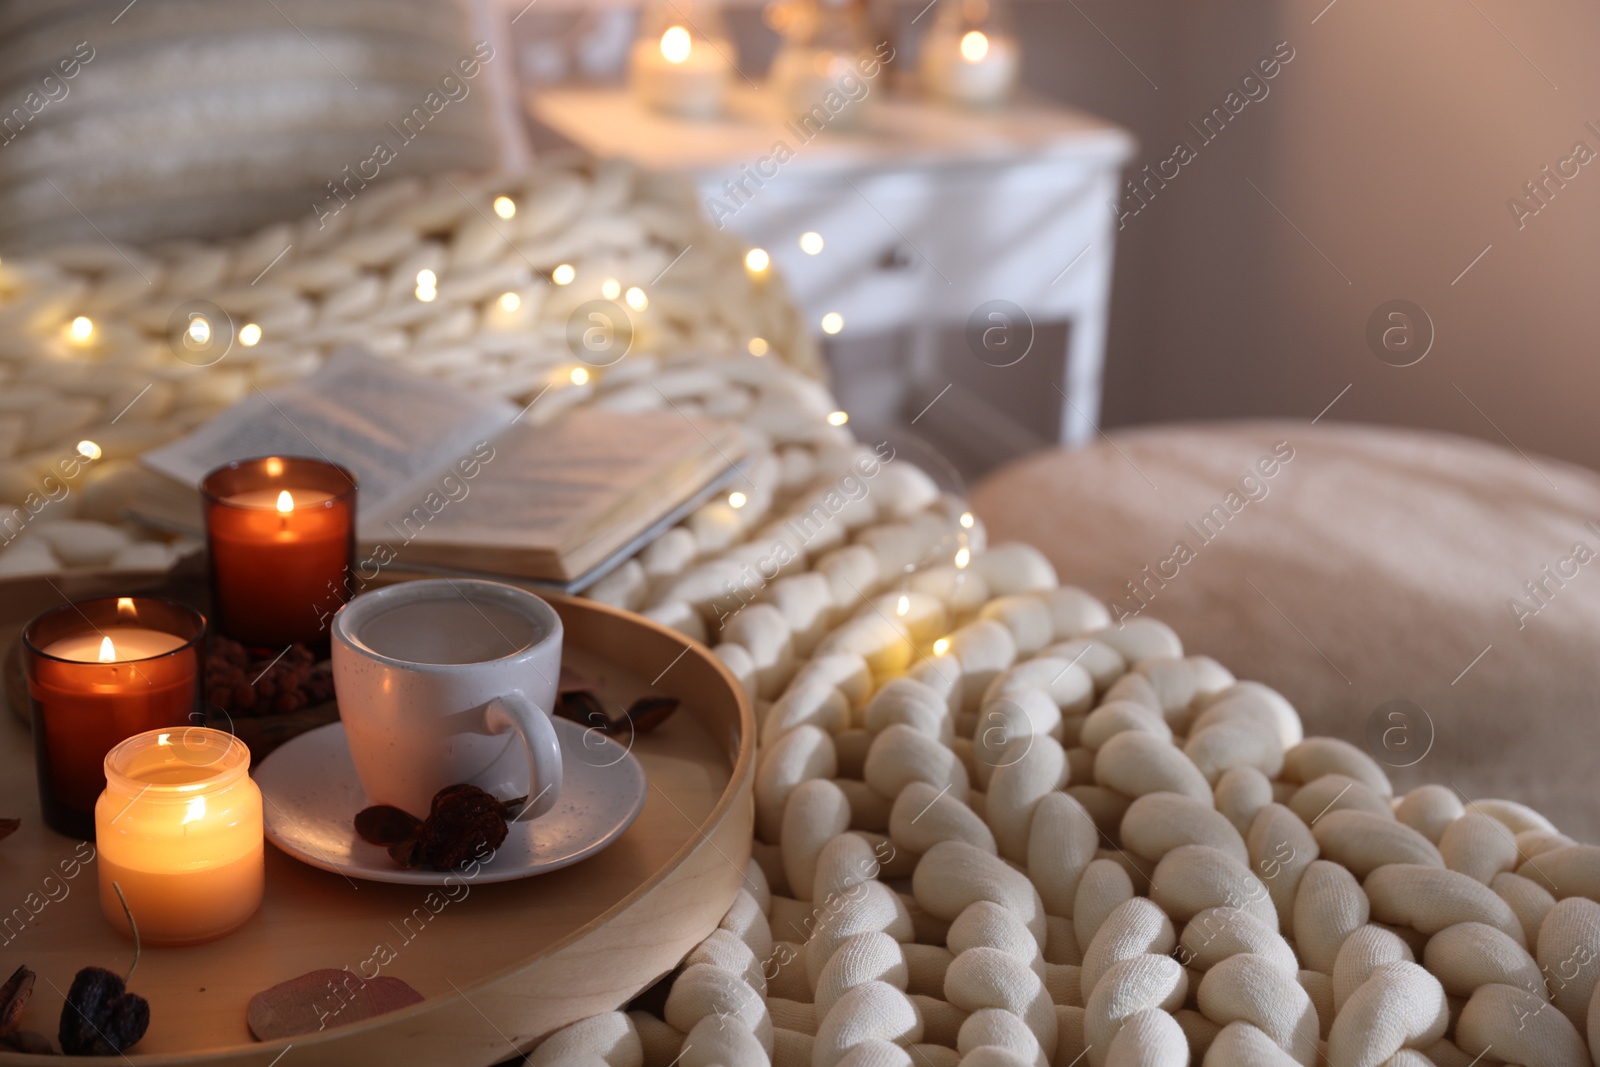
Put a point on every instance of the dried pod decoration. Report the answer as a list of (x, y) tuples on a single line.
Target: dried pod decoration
[(100, 1017), (463, 823), (13, 998), (8, 827), (642, 716), (283, 682)]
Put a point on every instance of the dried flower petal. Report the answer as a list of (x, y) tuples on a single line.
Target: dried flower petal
[(649, 712), (384, 824)]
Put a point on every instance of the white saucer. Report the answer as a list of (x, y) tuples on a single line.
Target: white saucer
[(310, 797)]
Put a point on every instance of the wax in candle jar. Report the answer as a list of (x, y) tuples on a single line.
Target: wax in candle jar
[(179, 831), (279, 548), (115, 645), (95, 678), (681, 74)]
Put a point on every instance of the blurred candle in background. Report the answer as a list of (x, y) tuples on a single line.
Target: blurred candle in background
[(179, 830), (280, 536), (682, 60), (100, 671), (970, 55)]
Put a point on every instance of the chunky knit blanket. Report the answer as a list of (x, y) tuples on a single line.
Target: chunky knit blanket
[(994, 826)]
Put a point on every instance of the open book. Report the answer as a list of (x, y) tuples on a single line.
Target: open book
[(449, 480)]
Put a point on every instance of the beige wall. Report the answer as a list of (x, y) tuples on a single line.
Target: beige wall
[(1393, 140)]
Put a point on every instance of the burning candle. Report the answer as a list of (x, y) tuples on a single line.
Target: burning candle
[(970, 55), (280, 535), (100, 671), (680, 62), (179, 831)]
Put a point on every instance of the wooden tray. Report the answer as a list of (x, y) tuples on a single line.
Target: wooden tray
[(500, 968)]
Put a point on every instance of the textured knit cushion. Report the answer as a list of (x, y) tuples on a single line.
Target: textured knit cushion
[(1373, 565)]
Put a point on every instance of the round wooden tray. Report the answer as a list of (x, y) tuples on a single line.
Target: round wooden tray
[(499, 968)]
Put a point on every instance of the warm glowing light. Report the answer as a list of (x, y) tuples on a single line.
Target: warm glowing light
[(974, 46), (200, 330), (564, 274), (285, 503), (427, 285), (676, 44), (196, 812), (636, 298), (108, 651), (811, 242), (510, 301), (963, 557), (505, 207), (757, 260), (125, 608), (249, 335), (89, 450), (941, 646), (758, 346), (966, 520), (737, 499), (903, 605), (832, 322), (579, 376), (610, 288), (838, 418), (274, 467), (81, 329), (164, 740)]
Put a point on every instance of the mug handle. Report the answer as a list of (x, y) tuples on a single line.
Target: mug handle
[(514, 711)]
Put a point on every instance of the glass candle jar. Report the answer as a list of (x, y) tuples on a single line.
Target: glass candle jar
[(682, 59), (100, 671), (823, 73), (971, 54), (280, 535), (179, 831)]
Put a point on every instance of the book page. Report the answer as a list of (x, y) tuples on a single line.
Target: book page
[(394, 430), (547, 485)]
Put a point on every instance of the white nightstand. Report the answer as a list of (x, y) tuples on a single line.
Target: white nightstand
[(927, 213)]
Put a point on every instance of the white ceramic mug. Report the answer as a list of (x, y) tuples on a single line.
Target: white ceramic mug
[(448, 681)]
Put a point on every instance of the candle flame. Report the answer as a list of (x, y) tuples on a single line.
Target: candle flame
[(903, 605), (974, 46), (125, 608), (108, 651), (676, 45), (285, 503), (196, 812)]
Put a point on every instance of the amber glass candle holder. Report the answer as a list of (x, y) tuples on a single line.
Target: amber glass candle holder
[(280, 537), (180, 833), (100, 671)]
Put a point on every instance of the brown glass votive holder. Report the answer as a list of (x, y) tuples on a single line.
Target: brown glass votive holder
[(100, 671), (280, 538)]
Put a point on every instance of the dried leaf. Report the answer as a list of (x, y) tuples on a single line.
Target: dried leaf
[(584, 708), (8, 827), (322, 999), (408, 853), (383, 824), (649, 712), (34, 1044), (13, 998)]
